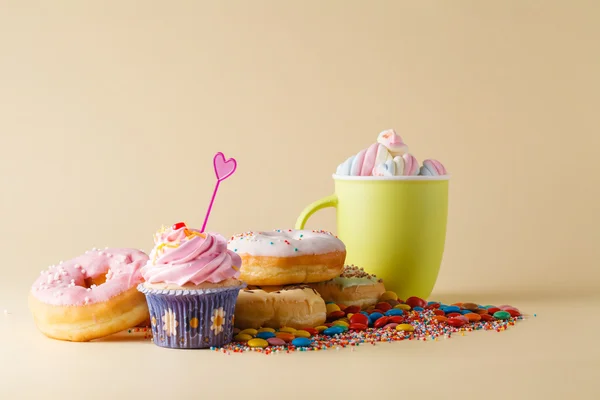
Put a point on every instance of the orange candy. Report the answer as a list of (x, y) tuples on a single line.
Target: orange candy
[(472, 317), (440, 318), (286, 337)]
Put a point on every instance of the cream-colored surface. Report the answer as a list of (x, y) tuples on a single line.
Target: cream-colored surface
[(111, 111)]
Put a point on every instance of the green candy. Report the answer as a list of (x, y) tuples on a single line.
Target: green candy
[(502, 315)]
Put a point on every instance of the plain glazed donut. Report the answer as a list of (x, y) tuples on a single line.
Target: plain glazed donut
[(354, 287), (276, 307), (285, 257), (91, 296)]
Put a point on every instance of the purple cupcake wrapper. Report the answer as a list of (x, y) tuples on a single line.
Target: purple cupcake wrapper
[(192, 319)]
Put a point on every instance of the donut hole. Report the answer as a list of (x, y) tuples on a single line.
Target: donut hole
[(94, 280)]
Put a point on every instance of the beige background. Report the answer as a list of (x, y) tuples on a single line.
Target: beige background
[(110, 113)]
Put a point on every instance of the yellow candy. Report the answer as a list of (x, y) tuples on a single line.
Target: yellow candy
[(250, 331), (340, 322), (301, 333), (405, 327), (257, 342), (288, 330), (320, 328), (349, 315), (331, 307), (404, 307), (266, 330), (389, 295), (241, 337)]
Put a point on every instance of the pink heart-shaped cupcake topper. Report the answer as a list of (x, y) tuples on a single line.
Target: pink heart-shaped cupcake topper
[(224, 168)]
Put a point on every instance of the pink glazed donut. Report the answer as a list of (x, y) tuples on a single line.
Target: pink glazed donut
[(91, 296)]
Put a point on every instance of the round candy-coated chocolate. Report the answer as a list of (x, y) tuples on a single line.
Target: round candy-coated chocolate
[(473, 317), (241, 337), (440, 318), (359, 319), (463, 312), (502, 315), (357, 327), (404, 307), (452, 309), (365, 313), (335, 315), (415, 302), (287, 337), (250, 331), (392, 302), (265, 335), (335, 323), (257, 342), (492, 310), (439, 312), (334, 330), (375, 316), (453, 314), (469, 306), (486, 317), (287, 329), (481, 311), (383, 306), (391, 325), (301, 342), (462, 317), (352, 309), (302, 334), (310, 330), (417, 308), (331, 307), (321, 328), (381, 322), (393, 311), (397, 319), (274, 341), (266, 330), (513, 313), (405, 327), (375, 310), (455, 322), (389, 295)]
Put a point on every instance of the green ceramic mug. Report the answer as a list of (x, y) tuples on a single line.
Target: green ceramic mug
[(393, 227)]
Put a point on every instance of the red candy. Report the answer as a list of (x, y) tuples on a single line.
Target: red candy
[(359, 319), (381, 322), (383, 306), (357, 327), (312, 331), (455, 322), (397, 319), (375, 310), (453, 314), (486, 317), (178, 225), (433, 306), (336, 315), (438, 312), (416, 302), (513, 313), (493, 310), (352, 309)]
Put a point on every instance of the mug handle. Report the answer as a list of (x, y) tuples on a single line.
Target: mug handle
[(329, 201)]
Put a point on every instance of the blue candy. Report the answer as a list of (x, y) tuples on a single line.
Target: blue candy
[(302, 342), (334, 330), (375, 316), (417, 308), (394, 311), (451, 309), (432, 302), (463, 312), (365, 313), (265, 335)]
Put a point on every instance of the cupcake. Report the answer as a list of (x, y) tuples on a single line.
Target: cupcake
[(191, 286)]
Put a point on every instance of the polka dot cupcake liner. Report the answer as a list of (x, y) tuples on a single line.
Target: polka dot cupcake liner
[(191, 319)]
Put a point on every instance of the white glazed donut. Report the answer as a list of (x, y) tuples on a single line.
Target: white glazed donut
[(284, 257)]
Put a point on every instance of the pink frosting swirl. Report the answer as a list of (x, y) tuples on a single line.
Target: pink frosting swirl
[(187, 256)]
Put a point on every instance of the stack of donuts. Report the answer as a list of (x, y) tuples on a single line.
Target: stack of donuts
[(291, 274)]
